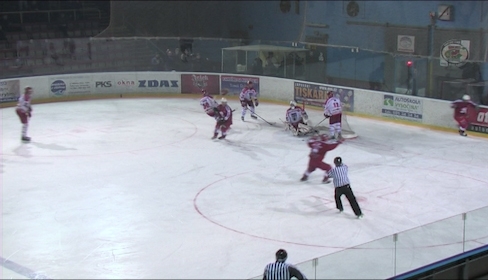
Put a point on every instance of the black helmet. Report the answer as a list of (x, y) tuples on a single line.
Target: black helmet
[(338, 161), (281, 255)]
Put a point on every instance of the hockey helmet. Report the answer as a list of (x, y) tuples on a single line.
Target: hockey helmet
[(223, 100), (330, 94), (466, 97), (28, 89), (338, 161), (281, 255), (293, 104), (204, 91)]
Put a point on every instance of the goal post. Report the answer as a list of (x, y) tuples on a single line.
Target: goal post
[(315, 112)]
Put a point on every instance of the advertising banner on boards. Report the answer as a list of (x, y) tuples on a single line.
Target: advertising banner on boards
[(402, 107), (233, 85), (71, 85), (194, 83), (9, 90), (316, 95)]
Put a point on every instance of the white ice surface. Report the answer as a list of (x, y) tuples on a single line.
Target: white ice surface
[(135, 188)]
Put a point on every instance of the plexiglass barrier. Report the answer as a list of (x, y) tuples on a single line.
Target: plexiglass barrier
[(404, 251), (337, 65)]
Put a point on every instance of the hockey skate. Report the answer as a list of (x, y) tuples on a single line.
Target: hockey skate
[(242, 118), (304, 178), (326, 180), (462, 133), (25, 139), (222, 137), (215, 135), (339, 136)]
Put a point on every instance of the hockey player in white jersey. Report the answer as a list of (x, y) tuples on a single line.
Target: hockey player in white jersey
[(24, 111), (208, 103), (247, 96), (333, 111)]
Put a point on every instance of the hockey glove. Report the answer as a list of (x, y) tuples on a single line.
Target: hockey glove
[(256, 102), (327, 116)]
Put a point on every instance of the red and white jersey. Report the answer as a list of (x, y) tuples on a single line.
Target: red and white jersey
[(295, 115), (24, 103), (320, 145), (208, 103), (332, 106), (248, 94), (461, 107), (225, 112)]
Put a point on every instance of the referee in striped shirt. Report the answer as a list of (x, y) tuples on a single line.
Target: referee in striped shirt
[(280, 270), (342, 186)]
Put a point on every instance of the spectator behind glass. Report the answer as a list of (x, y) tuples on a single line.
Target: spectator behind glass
[(257, 66), (177, 60), (196, 63), (185, 58), (169, 62), (156, 62), (376, 77)]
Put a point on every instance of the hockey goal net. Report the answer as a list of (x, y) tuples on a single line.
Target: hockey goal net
[(316, 119)]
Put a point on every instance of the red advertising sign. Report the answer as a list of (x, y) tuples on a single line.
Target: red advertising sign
[(194, 83), (479, 120)]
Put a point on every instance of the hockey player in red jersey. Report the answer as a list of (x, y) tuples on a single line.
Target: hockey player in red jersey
[(320, 145), (333, 111), (247, 96), (461, 112), (296, 115), (24, 111), (223, 118), (208, 103)]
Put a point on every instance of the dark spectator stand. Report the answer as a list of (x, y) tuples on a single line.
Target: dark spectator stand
[(27, 31)]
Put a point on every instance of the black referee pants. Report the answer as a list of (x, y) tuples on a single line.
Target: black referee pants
[(346, 190)]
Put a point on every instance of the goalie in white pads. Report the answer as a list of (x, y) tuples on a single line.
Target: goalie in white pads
[(296, 120)]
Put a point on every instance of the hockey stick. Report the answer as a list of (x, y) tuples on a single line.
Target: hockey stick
[(314, 128), (287, 124), (264, 119), (319, 123)]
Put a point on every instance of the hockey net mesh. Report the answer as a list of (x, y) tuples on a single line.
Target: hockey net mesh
[(315, 112)]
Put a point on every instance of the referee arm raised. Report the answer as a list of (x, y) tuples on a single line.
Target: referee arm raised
[(280, 270), (342, 186)]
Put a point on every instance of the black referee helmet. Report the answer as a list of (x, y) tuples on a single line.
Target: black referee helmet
[(281, 255), (338, 161)]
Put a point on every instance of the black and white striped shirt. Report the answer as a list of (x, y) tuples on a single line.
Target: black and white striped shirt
[(339, 174), (281, 271)]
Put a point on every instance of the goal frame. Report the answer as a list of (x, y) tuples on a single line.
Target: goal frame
[(315, 109)]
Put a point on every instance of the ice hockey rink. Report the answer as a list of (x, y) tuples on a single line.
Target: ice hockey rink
[(136, 189)]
